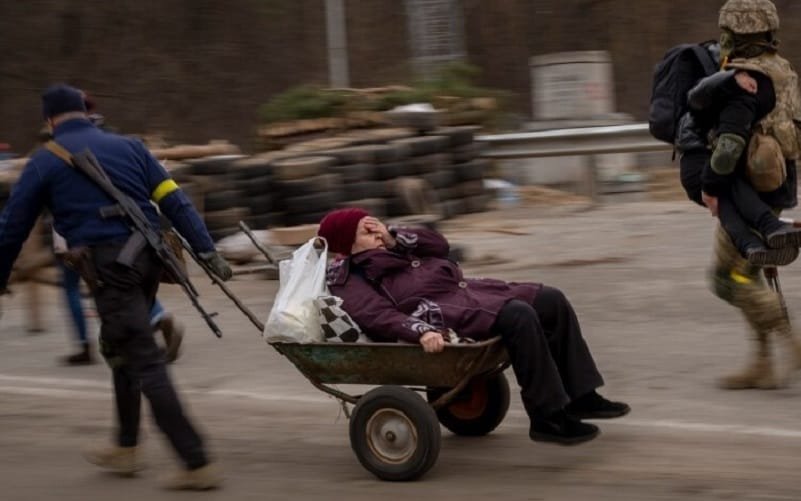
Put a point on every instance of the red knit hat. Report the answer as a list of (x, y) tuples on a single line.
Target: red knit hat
[(338, 227)]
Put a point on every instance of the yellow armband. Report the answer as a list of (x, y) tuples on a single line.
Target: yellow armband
[(163, 189)]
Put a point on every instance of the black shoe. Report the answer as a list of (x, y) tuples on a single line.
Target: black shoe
[(594, 406), (763, 256), (786, 236), (561, 429), (83, 357)]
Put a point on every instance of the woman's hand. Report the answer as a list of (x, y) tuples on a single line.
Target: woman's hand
[(746, 82), (432, 342), (373, 225)]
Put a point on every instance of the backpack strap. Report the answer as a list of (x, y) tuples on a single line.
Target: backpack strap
[(705, 58), (59, 151)]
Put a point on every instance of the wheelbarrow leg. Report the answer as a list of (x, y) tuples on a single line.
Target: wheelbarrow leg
[(788, 340), (772, 276)]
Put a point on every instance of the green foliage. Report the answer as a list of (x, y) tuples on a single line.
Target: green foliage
[(452, 81), (302, 102), (390, 100)]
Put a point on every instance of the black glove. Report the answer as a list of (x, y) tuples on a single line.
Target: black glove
[(217, 264)]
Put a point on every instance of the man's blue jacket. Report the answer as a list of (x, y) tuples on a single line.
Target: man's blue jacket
[(75, 201)]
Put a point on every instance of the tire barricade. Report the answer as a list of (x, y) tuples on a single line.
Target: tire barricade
[(389, 175), (390, 172)]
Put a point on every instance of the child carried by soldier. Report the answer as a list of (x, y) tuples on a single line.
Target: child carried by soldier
[(742, 173)]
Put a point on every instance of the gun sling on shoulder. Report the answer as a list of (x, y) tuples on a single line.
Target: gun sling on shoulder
[(143, 233)]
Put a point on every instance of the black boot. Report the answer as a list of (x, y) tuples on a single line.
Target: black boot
[(594, 406), (560, 428), (82, 357)]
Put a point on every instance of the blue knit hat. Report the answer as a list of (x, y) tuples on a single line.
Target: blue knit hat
[(61, 98)]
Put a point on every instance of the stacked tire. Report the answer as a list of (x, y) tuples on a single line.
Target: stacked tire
[(368, 172), (254, 181), (306, 189), (466, 194), (223, 204), (426, 161), (269, 191)]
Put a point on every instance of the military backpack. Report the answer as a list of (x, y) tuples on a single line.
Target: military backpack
[(678, 71)]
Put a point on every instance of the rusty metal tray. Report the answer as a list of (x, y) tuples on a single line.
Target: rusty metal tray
[(393, 363)]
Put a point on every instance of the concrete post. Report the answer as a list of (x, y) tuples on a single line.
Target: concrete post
[(337, 43)]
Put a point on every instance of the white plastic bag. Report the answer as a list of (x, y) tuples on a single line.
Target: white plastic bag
[(294, 317)]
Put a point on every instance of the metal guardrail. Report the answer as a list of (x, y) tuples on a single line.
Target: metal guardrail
[(633, 138), (582, 141)]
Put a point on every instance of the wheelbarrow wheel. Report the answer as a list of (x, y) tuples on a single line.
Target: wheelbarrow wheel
[(394, 433), (476, 410)]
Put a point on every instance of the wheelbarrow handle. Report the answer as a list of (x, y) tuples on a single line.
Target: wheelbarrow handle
[(246, 229)]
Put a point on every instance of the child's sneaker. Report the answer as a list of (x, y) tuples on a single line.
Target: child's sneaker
[(786, 236), (763, 256)]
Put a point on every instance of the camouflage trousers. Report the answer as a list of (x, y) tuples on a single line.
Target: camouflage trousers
[(742, 285)]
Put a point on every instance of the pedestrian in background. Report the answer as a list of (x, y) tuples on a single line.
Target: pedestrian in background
[(72, 293)]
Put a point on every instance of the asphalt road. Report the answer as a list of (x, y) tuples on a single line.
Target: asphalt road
[(636, 274)]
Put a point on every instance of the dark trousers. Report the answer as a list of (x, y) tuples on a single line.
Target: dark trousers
[(124, 297), (549, 356), (740, 208)]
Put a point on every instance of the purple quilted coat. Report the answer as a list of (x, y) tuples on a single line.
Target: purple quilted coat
[(398, 294)]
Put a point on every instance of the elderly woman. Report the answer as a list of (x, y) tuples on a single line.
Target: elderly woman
[(399, 285)]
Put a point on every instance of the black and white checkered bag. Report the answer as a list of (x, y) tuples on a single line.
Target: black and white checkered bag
[(337, 325)]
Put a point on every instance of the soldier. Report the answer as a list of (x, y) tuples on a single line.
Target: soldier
[(123, 293), (161, 320), (755, 135)]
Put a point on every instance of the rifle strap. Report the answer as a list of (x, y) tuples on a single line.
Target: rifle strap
[(59, 151), (135, 243)]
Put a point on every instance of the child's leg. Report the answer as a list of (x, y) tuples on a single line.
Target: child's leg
[(742, 236), (691, 166), (747, 242), (758, 215)]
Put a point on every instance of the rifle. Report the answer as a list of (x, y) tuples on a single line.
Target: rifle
[(142, 232)]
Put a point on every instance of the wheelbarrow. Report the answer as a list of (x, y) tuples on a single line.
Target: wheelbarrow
[(394, 431)]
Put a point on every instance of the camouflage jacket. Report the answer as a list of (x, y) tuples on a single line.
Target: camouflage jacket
[(782, 122)]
